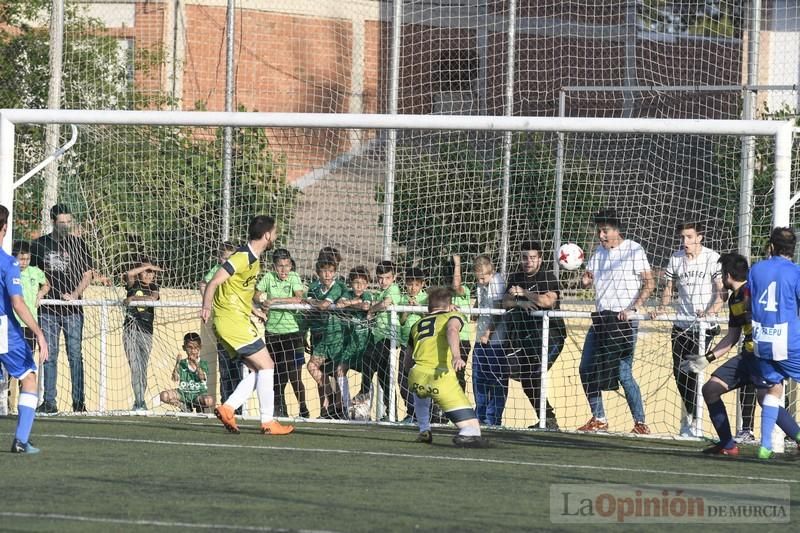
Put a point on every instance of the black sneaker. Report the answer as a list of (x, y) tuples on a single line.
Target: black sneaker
[(79, 407), (471, 441), (551, 423), (304, 411), (20, 447), (425, 437), (47, 408)]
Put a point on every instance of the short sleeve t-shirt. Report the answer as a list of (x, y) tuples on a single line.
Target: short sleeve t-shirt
[(32, 279), (189, 381), (463, 302), (64, 262), (211, 272), (382, 328), (740, 315), (428, 340), (695, 279), (617, 274), (141, 317), (281, 321), (234, 298), (318, 320), (411, 318), (10, 285), (491, 296), (521, 323)]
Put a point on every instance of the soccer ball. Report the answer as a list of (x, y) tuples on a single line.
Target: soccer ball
[(570, 256)]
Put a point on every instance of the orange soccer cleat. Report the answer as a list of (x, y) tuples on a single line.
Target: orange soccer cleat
[(275, 428), (227, 417)]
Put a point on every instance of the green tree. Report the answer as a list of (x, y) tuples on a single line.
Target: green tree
[(152, 191)]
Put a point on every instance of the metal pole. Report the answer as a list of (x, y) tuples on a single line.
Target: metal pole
[(545, 361), (748, 143), (391, 146), (507, 136), (559, 201), (630, 59), (103, 385), (50, 193), (227, 135)]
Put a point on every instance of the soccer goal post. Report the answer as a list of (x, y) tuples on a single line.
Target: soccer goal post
[(148, 184)]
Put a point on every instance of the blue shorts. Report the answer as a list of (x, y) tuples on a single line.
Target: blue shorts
[(774, 372), (18, 362), (740, 371)]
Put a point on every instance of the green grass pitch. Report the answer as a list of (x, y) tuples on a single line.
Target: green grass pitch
[(153, 474)]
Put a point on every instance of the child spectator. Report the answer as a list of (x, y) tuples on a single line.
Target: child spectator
[(326, 332), (355, 330), (191, 374), (34, 287), (415, 295), (283, 338), (137, 329), (379, 353), (230, 370), (490, 368)]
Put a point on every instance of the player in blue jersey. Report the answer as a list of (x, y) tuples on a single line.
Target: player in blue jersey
[(15, 354), (775, 288)]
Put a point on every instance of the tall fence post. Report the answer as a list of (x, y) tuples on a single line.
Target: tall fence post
[(508, 136)]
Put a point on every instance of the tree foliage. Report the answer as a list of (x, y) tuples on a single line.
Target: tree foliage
[(153, 191)]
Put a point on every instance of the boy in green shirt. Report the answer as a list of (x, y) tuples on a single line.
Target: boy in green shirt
[(283, 338), (379, 353), (355, 329), (191, 374), (326, 333), (415, 295)]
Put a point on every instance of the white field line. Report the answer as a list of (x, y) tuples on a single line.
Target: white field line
[(539, 464), (156, 523)]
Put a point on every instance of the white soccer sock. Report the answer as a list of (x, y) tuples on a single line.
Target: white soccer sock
[(344, 389), (470, 431), (242, 392), (422, 411), (266, 394)]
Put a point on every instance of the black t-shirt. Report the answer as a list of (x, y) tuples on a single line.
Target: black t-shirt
[(522, 324), (64, 262), (140, 317)]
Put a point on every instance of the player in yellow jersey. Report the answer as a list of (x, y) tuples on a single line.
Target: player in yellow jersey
[(231, 291), (434, 348)]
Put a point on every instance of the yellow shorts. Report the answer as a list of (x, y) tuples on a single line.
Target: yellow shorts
[(239, 337), (441, 385)]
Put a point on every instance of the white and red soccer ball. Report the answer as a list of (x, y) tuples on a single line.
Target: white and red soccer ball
[(570, 256)]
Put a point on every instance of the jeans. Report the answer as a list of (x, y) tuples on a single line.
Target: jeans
[(629, 385), (137, 345), (72, 325), (490, 373)]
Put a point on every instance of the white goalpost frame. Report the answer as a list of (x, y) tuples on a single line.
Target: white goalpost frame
[(781, 131)]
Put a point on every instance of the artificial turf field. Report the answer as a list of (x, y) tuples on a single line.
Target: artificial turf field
[(153, 474)]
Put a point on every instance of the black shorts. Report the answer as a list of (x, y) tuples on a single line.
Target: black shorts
[(739, 371)]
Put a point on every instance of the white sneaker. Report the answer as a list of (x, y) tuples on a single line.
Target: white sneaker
[(686, 426), (745, 436), (694, 429)]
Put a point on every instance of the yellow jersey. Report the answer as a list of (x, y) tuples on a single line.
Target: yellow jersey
[(428, 339), (234, 297)]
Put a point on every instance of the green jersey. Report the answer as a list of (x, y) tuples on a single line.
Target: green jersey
[(31, 279), (411, 318), (281, 321), (326, 327), (464, 302), (382, 328), (189, 382), (356, 333), (211, 272)]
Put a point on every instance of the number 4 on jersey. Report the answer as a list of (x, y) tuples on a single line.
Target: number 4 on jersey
[(767, 298)]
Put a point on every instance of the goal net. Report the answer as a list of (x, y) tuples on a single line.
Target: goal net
[(155, 193)]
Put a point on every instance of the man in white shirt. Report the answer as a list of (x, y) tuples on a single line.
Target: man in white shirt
[(693, 270), (622, 280)]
